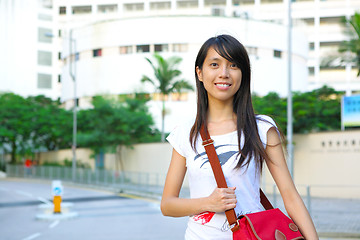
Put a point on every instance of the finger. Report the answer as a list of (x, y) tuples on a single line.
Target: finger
[(230, 206), (231, 189)]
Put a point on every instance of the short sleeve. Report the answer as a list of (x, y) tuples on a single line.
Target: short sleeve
[(264, 124), (176, 139)]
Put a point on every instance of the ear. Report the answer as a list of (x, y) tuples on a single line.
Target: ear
[(199, 73)]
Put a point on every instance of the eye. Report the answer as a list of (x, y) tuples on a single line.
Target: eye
[(213, 64), (233, 65)]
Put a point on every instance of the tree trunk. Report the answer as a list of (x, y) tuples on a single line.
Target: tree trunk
[(13, 152), (119, 158)]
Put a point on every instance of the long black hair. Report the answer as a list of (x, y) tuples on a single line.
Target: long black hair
[(232, 50)]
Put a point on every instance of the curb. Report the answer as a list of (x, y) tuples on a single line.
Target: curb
[(339, 235)]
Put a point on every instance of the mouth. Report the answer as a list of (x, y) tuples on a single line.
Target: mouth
[(222, 85)]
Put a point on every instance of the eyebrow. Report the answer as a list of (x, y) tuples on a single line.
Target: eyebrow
[(214, 59)]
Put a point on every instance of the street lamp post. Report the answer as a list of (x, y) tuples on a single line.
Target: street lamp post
[(289, 99), (72, 73), (72, 43)]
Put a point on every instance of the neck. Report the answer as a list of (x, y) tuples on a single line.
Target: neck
[(220, 111)]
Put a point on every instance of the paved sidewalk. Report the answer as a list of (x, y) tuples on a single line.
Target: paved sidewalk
[(335, 218)]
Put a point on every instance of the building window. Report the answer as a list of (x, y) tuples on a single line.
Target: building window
[(97, 52), (59, 55), (44, 81), (161, 47), (311, 71), (215, 2), (277, 53), (42, 35), (218, 11), (252, 51), (180, 47), (59, 78), (107, 8), (187, 4), (134, 7), (126, 49), (44, 58), (160, 5), (62, 10), (77, 56), (311, 46), (271, 1), (142, 48), (81, 10)]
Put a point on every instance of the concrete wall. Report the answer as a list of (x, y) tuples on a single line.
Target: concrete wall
[(327, 162), (82, 155)]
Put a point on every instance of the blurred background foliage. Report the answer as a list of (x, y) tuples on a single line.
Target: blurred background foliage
[(34, 124)]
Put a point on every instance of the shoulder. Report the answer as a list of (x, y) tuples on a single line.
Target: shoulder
[(179, 137), (264, 121)]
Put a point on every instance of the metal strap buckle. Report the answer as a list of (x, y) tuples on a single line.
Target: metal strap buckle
[(235, 226), (207, 142)]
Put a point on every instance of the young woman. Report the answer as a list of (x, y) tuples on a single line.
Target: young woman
[(243, 141)]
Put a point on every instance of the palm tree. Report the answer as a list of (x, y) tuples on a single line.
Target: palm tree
[(166, 81), (353, 45)]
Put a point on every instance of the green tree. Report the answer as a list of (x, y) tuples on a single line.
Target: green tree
[(32, 124), (15, 123), (352, 45), (52, 125), (113, 123), (166, 81), (318, 110), (272, 105)]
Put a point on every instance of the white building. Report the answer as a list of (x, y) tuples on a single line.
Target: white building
[(320, 20), (113, 39), (27, 64), (111, 56), (178, 27)]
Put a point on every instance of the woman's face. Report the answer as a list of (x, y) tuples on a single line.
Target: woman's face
[(220, 77)]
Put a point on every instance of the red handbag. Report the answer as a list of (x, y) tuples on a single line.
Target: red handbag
[(271, 224)]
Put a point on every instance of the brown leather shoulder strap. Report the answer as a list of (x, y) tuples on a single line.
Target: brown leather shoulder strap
[(208, 144)]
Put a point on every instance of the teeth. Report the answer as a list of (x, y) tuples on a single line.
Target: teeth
[(223, 85)]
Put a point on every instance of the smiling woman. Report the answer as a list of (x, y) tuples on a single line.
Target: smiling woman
[(243, 142)]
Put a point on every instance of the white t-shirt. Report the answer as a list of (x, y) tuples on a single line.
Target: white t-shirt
[(202, 183)]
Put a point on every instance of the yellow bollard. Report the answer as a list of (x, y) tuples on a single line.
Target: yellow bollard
[(57, 204)]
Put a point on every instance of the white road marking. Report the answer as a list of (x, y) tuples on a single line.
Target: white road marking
[(35, 235), (54, 224), (44, 200), (24, 193)]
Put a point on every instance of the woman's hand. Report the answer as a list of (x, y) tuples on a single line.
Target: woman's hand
[(222, 199)]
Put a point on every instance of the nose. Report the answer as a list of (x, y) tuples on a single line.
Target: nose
[(224, 72)]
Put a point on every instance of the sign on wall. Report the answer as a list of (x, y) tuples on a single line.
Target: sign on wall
[(350, 111)]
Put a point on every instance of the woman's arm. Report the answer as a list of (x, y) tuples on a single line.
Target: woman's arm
[(171, 205), (292, 200)]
